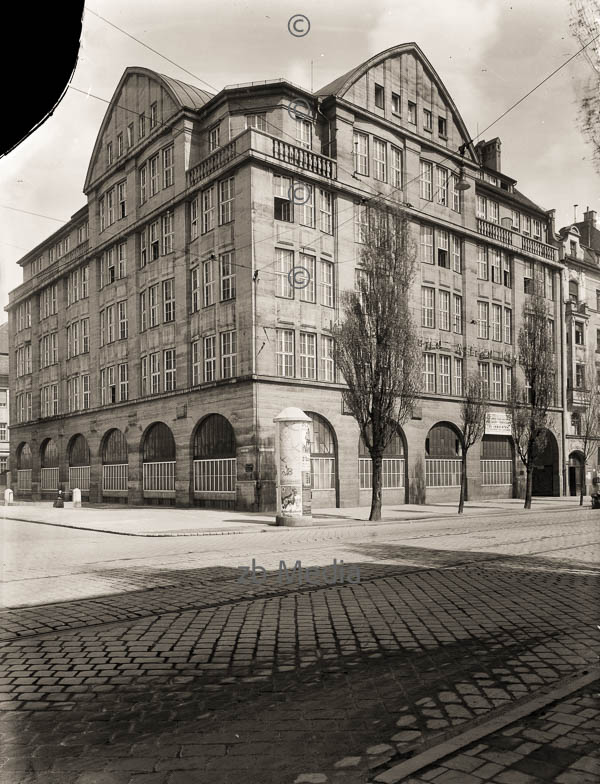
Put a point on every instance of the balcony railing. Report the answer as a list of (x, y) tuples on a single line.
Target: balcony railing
[(517, 241), (115, 477), (206, 167), (304, 159), (578, 398), (79, 476)]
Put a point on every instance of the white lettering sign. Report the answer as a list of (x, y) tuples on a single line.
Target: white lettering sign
[(497, 423)]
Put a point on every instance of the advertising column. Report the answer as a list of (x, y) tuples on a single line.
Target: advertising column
[(292, 458)]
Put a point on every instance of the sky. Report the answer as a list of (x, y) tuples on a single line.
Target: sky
[(488, 53)]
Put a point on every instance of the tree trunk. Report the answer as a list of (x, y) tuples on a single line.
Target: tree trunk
[(377, 461), (463, 483), (528, 487), (582, 484)]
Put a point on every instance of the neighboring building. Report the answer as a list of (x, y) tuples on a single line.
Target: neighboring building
[(580, 252), (157, 334), (4, 405)]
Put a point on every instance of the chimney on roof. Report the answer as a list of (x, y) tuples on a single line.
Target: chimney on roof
[(589, 217), (489, 154)]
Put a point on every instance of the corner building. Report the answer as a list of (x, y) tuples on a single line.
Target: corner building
[(157, 335)]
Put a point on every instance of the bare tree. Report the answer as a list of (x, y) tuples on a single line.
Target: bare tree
[(528, 406), (473, 411), (377, 347), (585, 27), (589, 420)]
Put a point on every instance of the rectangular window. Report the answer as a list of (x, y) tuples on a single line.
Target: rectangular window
[(443, 255), (507, 275), (495, 265), (196, 363), (123, 382), (426, 180), (326, 211), (282, 201), (497, 385), (258, 121), (85, 335), (122, 199), (379, 160), (429, 372), (109, 154), (153, 305), (284, 264), (481, 207), (143, 311), (379, 96), (482, 263), (226, 195), (327, 366), (210, 358), (227, 276), (458, 376), (427, 244), (130, 135), (526, 225), (102, 205), (484, 375), (155, 373), (444, 308), (497, 322), (307, 209), (144, 376), (483, 320), (208, 210), (579, 333), (396, 167), (528, 277), (361, 222), (307, 294), (442, 127), (208, 277), (457, 315), (361, 153), (445, 387), (396, 103), (579, 376), (228, 354), (454, 193), (427, 120), (515, 220), (456, 254), (154, 238), (196, 285), (170, 369), (194, 218), (143, 183), (168, 167), (308, 355), (110, 206), (507, 325), (304, 133), (285, 353), (153, 115), (493, 211), (327, 297), (75, 339), (214, 139), (442, 189), (168, 300), (110, 324), (537, 229), (427, 307), (167, 232), (412, 112), (154, 175)]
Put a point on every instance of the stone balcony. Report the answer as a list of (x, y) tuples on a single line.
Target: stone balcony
[(515, 241)]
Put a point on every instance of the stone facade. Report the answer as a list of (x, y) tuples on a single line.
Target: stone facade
[(185, 311)]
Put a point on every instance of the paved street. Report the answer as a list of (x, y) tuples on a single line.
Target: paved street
[(146, 660)]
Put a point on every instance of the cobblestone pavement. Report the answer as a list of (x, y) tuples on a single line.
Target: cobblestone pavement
[(173, 671)]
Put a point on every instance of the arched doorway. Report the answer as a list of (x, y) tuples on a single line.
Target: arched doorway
[(24, 466), (497, 461), (49, 462), (115, 463), (545, 479), (443, 462), (215, 463), (576, 473), (79, 464), (393, 471), (159, 456), (323, 463)]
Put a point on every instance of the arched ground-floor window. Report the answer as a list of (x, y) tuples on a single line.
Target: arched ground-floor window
[(497, 461), (323, 462), (49, 460), (24, 466), (215, 462), (159, 455), (392, 469), (79, 464), (443, 450), (115, 463)]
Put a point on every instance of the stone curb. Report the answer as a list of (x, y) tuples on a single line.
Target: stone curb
[(452, 745)]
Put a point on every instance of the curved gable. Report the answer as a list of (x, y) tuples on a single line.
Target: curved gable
[(137, 91), (406, 66)]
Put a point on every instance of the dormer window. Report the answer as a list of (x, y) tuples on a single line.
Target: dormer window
[(573, 248)]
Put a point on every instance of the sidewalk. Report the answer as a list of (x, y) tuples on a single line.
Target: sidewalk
[(156, 521)]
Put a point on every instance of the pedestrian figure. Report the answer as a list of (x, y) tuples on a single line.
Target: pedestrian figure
[(59, 503)]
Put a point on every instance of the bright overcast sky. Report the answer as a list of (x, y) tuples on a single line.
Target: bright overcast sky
[(488, 53)]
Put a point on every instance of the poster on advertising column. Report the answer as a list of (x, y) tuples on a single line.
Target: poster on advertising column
[(497, 423)]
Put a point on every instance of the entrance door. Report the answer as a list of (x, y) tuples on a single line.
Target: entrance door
[(575, 473), (545, 479)]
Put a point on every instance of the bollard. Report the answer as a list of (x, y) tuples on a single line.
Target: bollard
[(76, 498), (59, 503), (8, 497)]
